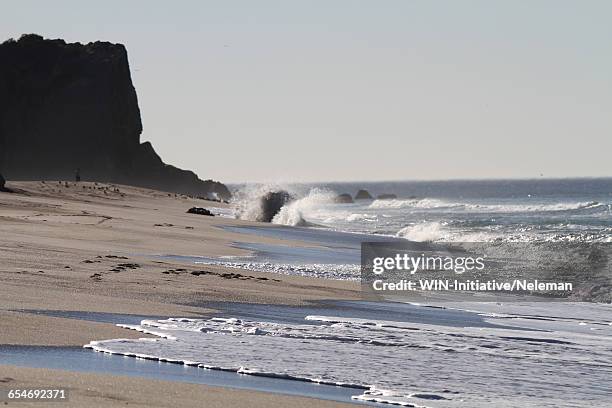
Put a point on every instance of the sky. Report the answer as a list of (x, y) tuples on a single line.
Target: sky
[(336, 90)]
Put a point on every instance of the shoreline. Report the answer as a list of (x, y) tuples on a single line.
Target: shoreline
[(69, 249), (85, 360), (106, 362), (104, 390)]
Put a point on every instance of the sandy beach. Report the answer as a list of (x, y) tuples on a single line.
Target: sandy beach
[(94, 390), (91, 247)]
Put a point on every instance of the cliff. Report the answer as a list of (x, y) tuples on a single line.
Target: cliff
[(65, 107)]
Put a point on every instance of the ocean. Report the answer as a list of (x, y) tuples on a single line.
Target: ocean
[(455, 211)]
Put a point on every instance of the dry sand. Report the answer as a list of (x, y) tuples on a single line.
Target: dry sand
[(89, 246)]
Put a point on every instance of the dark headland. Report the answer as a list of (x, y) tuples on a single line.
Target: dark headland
[(72, 107)]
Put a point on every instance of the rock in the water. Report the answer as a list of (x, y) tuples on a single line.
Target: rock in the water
[(363, 195), (271, 203), (67, 106), (200, 211), (343, 198), (386, 197), (2, 183)]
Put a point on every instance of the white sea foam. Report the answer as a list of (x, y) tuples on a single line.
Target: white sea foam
[(441, 232), (225, 212), (306, 206), (430, 203), (349, 272), (411, 364), (361, 217), (437, 231), (538, 207), (413, 203), (426, 231), (293, 212), (246, 201)]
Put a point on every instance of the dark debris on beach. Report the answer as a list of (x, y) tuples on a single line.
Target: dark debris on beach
[(224, 275)]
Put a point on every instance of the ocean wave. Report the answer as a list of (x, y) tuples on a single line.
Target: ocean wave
[(554, 207), (429, 203), (413, 203), (441, 232), (424, 232), (361, 217), (248, 203), (293, 212), (437, 231)]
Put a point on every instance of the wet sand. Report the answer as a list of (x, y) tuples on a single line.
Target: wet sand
[(97, 390)]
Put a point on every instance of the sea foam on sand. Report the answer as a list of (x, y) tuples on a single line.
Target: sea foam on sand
[(535, 360)]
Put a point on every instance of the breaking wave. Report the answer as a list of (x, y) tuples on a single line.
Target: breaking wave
[(437, 231), (427, 231), (247, 201), (252, 203), (413, 203), (292, 213), (441, 231), (429, 203)]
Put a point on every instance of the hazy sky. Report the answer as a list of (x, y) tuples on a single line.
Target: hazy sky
[(359, 90)]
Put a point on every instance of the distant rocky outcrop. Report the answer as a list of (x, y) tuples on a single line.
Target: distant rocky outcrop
[(363, 195), (2, 183), (271, 203), (66, 106), (386, 197), (344, 198)]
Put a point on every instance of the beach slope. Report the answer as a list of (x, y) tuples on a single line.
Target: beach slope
[(93, 247)]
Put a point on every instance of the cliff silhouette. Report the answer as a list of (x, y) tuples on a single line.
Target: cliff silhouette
[(68, 106)]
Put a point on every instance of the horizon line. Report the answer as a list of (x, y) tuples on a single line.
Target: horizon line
[(542, 178)]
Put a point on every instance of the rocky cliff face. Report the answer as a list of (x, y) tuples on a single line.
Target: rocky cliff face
[(65, 107)]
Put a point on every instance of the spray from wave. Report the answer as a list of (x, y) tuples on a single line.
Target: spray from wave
[(280, 204), (293, 212), (260, 202)]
